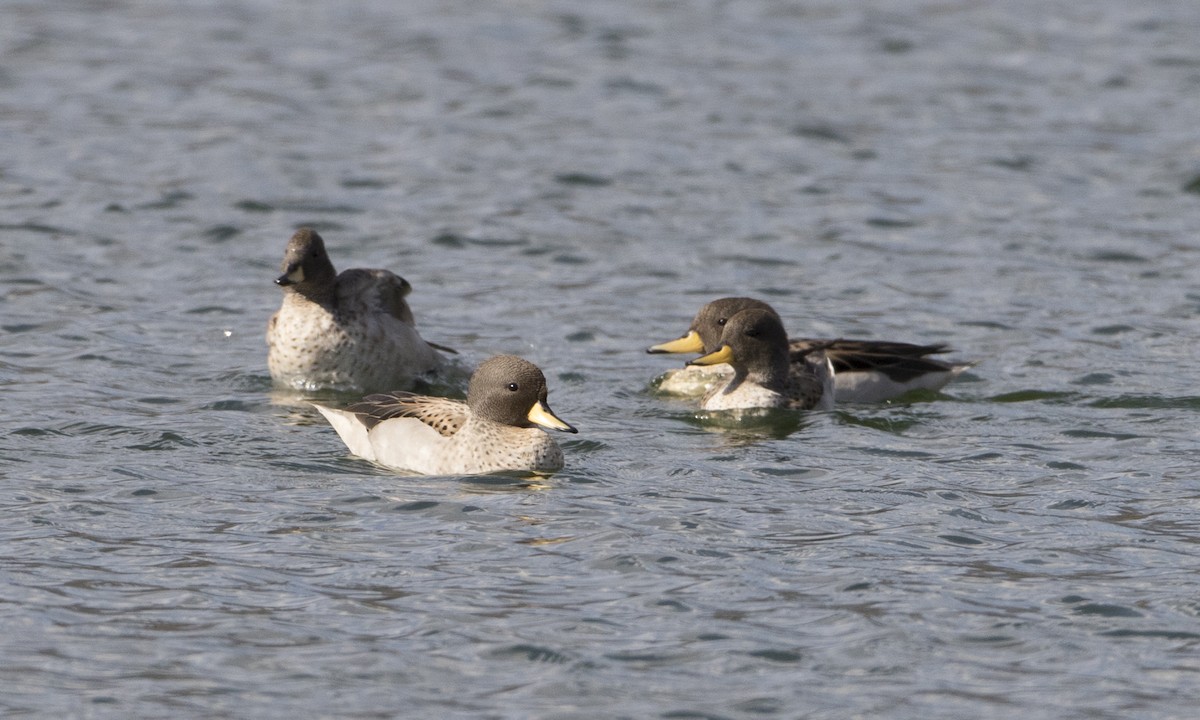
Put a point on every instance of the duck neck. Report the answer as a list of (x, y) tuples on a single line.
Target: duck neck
[(323, 294), (772, 374)]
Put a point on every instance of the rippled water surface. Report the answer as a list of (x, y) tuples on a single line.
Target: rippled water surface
[(570, 182)]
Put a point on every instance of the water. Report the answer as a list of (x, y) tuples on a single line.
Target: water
[(570, 182)]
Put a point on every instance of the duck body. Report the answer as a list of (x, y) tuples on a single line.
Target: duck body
[(865, 371), (810, 389), (476, 446), (497, 429), (764, 375), (352, 331)]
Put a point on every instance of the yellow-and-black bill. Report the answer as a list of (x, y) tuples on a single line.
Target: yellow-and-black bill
[(541, 414), (689, 343), (723, 355)]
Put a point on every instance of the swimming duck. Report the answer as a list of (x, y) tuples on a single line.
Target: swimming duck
[(765, 375), (865, 370), (351, 331), (496, 429)]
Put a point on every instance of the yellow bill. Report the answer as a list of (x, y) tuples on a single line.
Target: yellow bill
[(689, 343), (541, 414), (722, 356)]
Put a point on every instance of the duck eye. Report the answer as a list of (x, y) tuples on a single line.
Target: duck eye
[(722, 321), (513, 387)]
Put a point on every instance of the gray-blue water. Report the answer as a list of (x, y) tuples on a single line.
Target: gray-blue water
[(570, 181)]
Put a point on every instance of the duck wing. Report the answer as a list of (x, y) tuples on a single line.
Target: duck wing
[(375, 291), (444, 415), (900, 361)]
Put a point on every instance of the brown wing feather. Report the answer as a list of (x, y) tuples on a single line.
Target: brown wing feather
[(442, 414)]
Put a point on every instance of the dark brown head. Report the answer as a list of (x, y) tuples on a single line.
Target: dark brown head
[(704, 334), (754, 342), (305, 262), (512, 391), (710, 322)]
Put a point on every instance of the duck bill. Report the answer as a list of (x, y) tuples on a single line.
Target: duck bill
[(723, 356), (541, 414), (293, 275), (689, 343)]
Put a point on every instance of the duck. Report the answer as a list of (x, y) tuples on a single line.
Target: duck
[(499, 427), (351, 331), (865, 371), (765, 374)]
